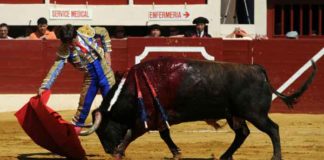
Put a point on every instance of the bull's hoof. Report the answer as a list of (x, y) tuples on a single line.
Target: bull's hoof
[(226, 158), (176, 153), (177, 156), (276, 158)]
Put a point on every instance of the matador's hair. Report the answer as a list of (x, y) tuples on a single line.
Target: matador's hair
[(67, 33)]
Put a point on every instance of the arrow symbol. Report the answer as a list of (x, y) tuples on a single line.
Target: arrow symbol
[(186, 14)]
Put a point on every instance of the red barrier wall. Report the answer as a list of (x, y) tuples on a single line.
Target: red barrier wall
[(282, 58), (25, 63), (237, 51), (92, 2), (106, 2), (170, 1)]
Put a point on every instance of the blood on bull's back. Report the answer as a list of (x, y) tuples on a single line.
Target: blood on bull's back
[(189, 90)]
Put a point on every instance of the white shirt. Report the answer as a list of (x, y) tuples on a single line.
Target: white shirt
[(6, 38), (200, 34)]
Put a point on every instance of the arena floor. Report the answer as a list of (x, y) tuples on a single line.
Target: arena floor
[(302, 138)]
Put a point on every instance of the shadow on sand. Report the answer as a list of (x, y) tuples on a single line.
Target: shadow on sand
[(192, 158), (39, 156), (51, 156), (46, 156)]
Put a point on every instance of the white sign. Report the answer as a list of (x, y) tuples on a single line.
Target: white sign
[(59, 13), (169, 15)]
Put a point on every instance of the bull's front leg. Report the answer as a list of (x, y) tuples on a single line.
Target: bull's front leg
[(165, 135)]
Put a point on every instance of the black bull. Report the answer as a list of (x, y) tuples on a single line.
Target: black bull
[(191, 90)]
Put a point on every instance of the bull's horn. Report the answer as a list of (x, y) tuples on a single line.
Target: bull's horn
[(94, 127)]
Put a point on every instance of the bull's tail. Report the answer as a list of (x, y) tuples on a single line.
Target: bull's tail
[(290, 100)]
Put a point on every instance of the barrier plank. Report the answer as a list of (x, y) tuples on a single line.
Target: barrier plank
[(25, 63)]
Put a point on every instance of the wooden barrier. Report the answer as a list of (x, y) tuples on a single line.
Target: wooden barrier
[(91, 2), (25, 63)]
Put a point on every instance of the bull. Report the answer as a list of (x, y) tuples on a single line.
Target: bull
[(190, 90)]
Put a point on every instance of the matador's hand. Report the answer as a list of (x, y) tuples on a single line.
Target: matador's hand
[(40, 91)]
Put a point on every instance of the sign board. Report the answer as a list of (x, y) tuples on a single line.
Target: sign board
[(67, 13), (168, 15)]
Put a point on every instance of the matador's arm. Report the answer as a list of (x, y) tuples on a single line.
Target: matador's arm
[(62, 55), (106, 42)]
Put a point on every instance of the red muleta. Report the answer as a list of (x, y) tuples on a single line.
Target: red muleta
[(47, 128)]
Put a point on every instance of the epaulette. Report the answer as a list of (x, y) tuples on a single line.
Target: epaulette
[(100, 30), (87, 31)]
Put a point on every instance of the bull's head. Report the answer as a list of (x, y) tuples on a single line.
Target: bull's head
[(97, 116), (111, 126), (110, 132)]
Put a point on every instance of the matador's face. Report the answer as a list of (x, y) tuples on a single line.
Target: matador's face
[(68, 34)]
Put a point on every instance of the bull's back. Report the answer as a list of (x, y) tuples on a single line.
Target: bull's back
[(194, 89), (204, 91)]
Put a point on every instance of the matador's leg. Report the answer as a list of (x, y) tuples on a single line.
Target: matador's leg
[(88, 93)]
